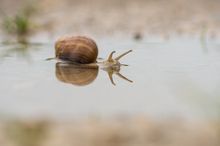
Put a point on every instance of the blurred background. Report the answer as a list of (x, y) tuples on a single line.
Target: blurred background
[(115, 17), (174, 99)]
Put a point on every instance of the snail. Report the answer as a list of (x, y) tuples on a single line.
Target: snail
[(83, 52)]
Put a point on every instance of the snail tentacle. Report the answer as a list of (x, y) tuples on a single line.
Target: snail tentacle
[(123, 77), (124, 64), (110, 59), (111, 78), (52, 58), (120, 56)]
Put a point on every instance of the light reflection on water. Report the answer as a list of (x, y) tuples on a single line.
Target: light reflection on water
[(173, 78)]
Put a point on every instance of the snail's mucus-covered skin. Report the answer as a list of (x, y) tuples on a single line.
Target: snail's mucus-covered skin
[(76, 49)]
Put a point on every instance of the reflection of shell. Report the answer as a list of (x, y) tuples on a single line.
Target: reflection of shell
[(73, 74)]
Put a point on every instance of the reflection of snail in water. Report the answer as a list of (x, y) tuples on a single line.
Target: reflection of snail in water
[(71, 73), (82, 53)]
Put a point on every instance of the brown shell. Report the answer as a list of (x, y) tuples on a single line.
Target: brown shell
[(76, 49), (73, 74)]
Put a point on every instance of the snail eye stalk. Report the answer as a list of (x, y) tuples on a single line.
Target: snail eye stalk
[(120, 56), (110, 59)]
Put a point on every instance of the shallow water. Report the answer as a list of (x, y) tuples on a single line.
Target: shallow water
[(173, 78)]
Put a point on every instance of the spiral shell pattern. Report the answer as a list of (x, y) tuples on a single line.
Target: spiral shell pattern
[(78, 49)]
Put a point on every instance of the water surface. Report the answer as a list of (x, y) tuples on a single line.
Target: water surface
[(177, 77)]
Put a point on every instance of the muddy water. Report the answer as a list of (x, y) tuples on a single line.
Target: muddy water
[(176, 77)]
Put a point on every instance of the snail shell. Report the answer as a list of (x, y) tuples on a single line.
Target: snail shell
[(73, 74), (78, 49)]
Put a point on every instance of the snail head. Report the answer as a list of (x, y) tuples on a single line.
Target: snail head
[(114, 62), (112, 66)]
